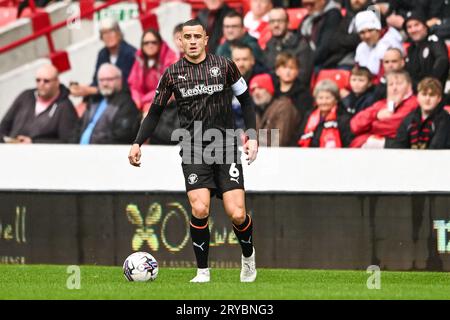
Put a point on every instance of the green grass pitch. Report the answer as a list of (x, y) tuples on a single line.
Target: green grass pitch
[(50, 282)]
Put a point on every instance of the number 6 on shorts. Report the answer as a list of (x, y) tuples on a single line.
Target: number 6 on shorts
[(234, 172)]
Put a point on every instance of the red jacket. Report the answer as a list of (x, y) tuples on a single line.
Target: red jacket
[(143, 81), (365, 123)]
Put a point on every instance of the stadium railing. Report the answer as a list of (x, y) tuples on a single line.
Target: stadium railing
[(42, 26)]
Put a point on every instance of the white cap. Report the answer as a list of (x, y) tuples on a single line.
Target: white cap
[(367, 20)]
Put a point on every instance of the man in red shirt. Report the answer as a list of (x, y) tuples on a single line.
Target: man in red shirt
[(380, 121)]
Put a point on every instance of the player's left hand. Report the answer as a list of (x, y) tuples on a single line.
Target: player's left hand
[(251, 150)]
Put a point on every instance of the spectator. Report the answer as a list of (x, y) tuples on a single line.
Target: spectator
[(234, 31), (38, 3), (243, 57), (283, 40), (288, 84), (427, 127), (375, 41), (362, 94), (116, 51), (439, 23), (318, 27), (177, 31), (346, 39), (273, 113), (44, 114), (382, 120), (393, 60), (325, 126), (111, 117), (257, 19), (151, 61), (212, 18), (427, 55), (399, 10)]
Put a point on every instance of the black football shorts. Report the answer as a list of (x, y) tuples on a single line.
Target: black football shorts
[(218, 178)]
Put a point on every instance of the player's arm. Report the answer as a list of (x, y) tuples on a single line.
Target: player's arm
[(148, 125), (240, 90)]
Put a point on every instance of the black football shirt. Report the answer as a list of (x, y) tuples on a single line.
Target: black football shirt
[(203, 92)]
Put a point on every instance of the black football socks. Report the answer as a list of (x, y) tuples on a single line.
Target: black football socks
[(200, 240), (244, 234)]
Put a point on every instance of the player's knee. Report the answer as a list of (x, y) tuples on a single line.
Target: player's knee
[(238, 216), (200, 210)]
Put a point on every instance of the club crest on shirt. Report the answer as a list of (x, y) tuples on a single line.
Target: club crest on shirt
[(215, 72)]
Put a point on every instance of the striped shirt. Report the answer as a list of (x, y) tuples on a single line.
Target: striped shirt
[(203, 91)]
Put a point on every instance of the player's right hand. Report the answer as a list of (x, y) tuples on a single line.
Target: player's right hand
[(135, 155)]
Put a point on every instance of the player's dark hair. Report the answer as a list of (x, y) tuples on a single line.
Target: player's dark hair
[(192, 23)]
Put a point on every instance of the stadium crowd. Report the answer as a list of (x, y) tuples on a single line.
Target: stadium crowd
[(326, 73)]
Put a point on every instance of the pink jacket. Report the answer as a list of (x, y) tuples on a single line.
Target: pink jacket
[(143, 81), (365, 123)]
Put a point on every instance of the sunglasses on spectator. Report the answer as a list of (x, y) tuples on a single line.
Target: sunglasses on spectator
[(44, 80), (153, 42)]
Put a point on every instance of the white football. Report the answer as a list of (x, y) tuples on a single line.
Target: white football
[(140, 266)]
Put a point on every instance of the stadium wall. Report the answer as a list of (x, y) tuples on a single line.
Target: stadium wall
[(86, 205)]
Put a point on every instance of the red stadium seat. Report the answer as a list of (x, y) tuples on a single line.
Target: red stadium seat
[(341, 77), (296, 16), (238, 5)]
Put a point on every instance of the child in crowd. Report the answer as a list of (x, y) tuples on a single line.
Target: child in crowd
[(288, 84), (362, 94)]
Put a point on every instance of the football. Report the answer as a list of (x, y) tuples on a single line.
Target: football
[(140, 266)]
